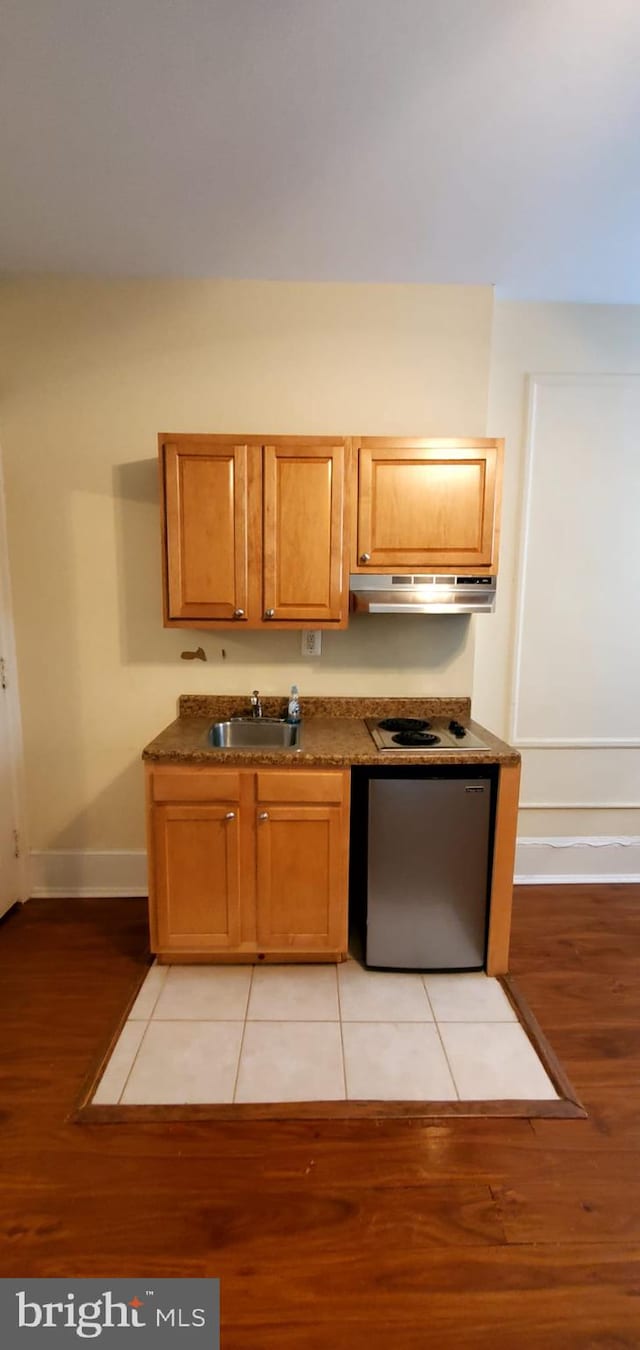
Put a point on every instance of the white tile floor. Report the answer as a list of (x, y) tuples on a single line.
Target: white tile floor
[(319, 1033)]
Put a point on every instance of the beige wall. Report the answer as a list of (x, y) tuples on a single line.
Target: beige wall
[(592, 341), (90, 372)]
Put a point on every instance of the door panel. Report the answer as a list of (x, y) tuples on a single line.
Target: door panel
[(303, 533), (302, 878), (197, 877), (12, 880), (423, 506), (207, 546), (9, 867)]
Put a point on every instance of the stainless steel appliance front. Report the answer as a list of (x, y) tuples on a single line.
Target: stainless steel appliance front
[(427, 874)]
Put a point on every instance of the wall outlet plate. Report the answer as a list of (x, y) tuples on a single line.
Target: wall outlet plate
[(311, 644)]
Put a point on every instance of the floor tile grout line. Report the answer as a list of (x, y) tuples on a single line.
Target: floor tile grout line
[(249, 993), (252, 971), (167, 969), (344, 1062), (162, 985), (408, 1021), (244, 1029), (424, 986), (468, 1021), (134, 1061), (449, 1066), (327, 1021)]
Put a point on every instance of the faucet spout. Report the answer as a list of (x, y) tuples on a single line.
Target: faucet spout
[(256, 704)]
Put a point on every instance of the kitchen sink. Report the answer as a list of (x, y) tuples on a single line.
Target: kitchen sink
[(255, 733)]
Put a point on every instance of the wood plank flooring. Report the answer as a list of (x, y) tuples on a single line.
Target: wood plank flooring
[(354, 1235)]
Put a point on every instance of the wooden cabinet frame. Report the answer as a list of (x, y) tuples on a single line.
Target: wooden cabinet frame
[(256, 589), (367, 450), (256, 797), (235, 456), (225, 877), (256, 561), (292, 795), (335, 606)]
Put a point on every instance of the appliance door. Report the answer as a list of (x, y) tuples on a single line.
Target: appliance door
[(427, 878)]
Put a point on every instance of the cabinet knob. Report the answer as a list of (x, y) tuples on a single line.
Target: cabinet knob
[(230, 815), (269, 613), (238, 614), (263, 815), (365, 557)]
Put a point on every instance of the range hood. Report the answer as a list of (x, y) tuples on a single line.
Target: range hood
[(422, 594)]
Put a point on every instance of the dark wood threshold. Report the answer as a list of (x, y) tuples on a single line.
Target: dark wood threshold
[(547, 1055), (99, 1065), (338, 1110), (566, 1107)]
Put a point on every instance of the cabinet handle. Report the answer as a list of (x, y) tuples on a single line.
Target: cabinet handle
[(238, 614), (365, 557), (269, 613), (263, 815), (230, 815)]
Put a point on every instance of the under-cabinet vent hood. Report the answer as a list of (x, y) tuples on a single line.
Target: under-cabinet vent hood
[(422, 594)]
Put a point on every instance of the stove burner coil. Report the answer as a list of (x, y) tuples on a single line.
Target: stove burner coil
[(404, 724), (420, 739)]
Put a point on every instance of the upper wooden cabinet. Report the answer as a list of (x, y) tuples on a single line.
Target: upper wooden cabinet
[(207, 524), (431, 505), (303, 538), (254, 532)]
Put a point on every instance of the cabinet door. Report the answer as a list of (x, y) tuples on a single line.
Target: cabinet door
[(302, 878), (196, 864), (425, 504), (304, 571), (206, 498)]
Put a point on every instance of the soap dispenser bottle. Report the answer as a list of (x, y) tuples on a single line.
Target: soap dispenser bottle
[(293, 710)]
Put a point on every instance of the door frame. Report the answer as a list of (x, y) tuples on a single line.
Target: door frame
[(11, 696)]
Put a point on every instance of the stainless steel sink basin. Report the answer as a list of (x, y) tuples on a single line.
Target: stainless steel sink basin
[(255, 733)]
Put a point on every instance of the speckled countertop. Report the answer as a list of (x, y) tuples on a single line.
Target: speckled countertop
[(333, 733)]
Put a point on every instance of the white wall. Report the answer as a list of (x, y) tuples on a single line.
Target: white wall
[(91, 372), (577, 614)]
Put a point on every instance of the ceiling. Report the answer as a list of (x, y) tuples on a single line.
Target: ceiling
[(484, 141)]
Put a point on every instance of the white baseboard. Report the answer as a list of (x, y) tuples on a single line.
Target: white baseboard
[(578, 861), (72, 873), (123, 872)]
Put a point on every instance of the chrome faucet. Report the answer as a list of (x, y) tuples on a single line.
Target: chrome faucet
[(256, 704)]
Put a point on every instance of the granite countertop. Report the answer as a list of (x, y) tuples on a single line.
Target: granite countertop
[(333, 733)]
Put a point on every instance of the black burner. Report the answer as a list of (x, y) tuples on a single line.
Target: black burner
[(419, 739), (404, 724)]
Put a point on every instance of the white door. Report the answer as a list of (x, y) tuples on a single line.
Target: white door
[(9, 863), (11, 875)]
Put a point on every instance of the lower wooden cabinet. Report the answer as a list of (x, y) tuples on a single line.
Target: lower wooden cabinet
[(246, 865)]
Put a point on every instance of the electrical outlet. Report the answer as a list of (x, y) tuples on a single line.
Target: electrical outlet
[(311, 644)]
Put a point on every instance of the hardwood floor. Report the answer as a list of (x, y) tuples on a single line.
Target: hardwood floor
[(358, 1235)]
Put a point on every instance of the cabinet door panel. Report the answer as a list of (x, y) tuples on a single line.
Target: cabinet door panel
[(207, 513), (197, 877), (425, 506), (302, 879), (304, 573)]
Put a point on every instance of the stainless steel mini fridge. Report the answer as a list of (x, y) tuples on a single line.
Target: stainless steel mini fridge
[(427, 873)]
